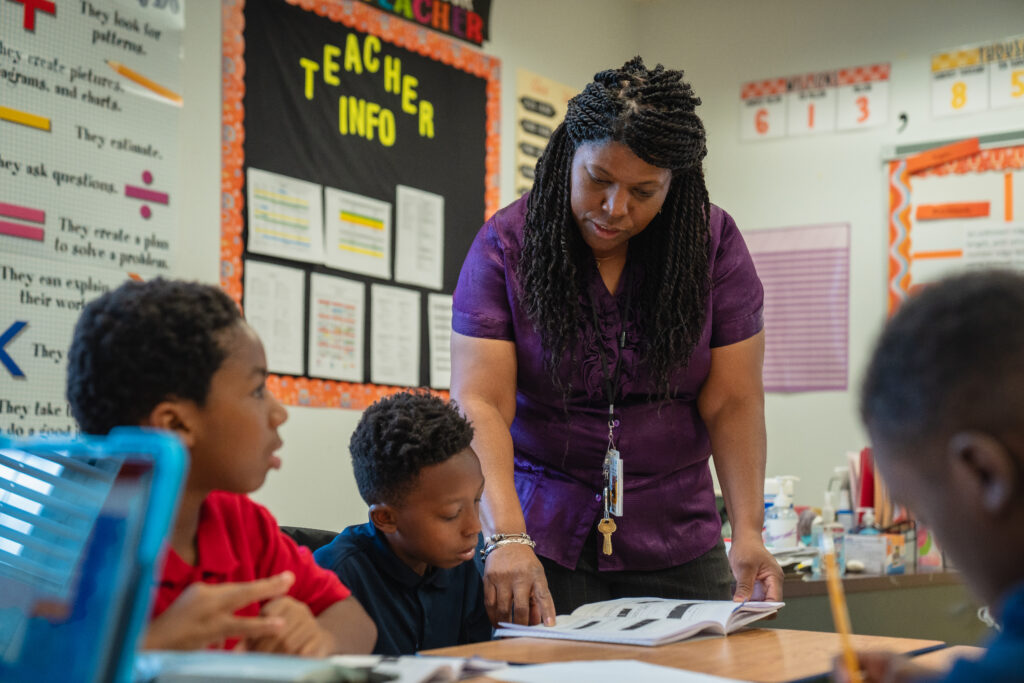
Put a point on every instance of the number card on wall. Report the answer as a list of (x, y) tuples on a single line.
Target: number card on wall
[(862, 96), (978, 77), (822, 102), (811, 104), (764, 109)]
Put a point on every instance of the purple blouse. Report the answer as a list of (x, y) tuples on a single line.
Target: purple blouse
[(669, 514)]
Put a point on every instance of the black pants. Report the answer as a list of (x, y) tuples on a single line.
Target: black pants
[(707, 577)]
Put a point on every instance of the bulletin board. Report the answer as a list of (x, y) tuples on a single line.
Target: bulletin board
[(360, 158), (954, 207)]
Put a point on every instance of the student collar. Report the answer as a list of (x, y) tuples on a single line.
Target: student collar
[(394, 567)]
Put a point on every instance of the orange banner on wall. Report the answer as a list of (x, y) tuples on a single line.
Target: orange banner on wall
[(1008, 197), (943, 253), (930, 212), (940, 155)]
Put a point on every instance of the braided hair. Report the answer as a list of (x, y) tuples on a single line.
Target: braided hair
[(651, 111)]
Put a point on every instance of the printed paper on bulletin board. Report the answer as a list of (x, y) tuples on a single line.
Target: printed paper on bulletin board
[(953, 209), (90, 103), (360, 159)]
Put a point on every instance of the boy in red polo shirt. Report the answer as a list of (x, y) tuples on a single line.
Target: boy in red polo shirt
[(178, 356)]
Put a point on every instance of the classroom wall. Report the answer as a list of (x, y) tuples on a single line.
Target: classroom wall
[(832, 178), (315, 486)]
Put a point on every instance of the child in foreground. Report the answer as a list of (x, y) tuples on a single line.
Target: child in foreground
[(412, 565), (178, 356), (943, 401)]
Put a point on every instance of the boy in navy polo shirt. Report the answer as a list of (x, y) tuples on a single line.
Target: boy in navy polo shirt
[(412, 565), (943, 401), (178, 356)]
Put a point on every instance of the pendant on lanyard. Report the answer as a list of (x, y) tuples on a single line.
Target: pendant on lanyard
[(612, 467)]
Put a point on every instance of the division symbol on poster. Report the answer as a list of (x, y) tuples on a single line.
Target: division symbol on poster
[(6, 338), (25, 118), (136, 192), (23, 213)]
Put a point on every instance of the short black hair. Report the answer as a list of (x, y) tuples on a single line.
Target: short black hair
[(398, 436), (142, 343), (950, 359)]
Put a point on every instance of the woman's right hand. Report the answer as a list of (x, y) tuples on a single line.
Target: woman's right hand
[(484, 384), (515, 587)]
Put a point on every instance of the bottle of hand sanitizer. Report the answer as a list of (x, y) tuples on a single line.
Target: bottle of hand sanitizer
[(781, 519), (829, 526), (867, 522)]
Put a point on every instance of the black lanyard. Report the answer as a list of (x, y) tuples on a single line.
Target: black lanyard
[(611, 381)]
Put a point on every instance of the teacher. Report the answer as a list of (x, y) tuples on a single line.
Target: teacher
[(607, 340)]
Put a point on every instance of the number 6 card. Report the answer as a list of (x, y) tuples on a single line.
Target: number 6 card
[(763, 109)]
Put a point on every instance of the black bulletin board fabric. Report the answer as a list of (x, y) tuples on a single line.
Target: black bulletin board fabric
[(287, 133)]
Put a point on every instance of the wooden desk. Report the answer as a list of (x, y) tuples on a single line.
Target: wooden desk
[(761, 655)]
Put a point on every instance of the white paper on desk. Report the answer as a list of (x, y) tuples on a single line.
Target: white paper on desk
[(203, 666), (607, 671), (419, 238), (469, 667), (406, 668), (273, 307), (395, 336)]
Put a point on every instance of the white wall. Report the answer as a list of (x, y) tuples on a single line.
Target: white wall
[(821, 179), (833, 178)]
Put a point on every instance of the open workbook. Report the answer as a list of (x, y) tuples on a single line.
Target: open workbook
[(647, 621)]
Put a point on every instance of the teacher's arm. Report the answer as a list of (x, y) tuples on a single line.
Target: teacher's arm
[(731, 403), (484, 385)]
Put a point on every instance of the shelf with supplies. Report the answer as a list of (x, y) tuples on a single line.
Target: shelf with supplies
[(805, 586), (934, 605)]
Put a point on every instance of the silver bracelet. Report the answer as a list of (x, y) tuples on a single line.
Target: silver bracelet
[(501, 537), (498, 540)]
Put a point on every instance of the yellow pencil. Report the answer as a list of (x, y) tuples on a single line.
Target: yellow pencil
[(24, 118), (145, 82), (840, 615)]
